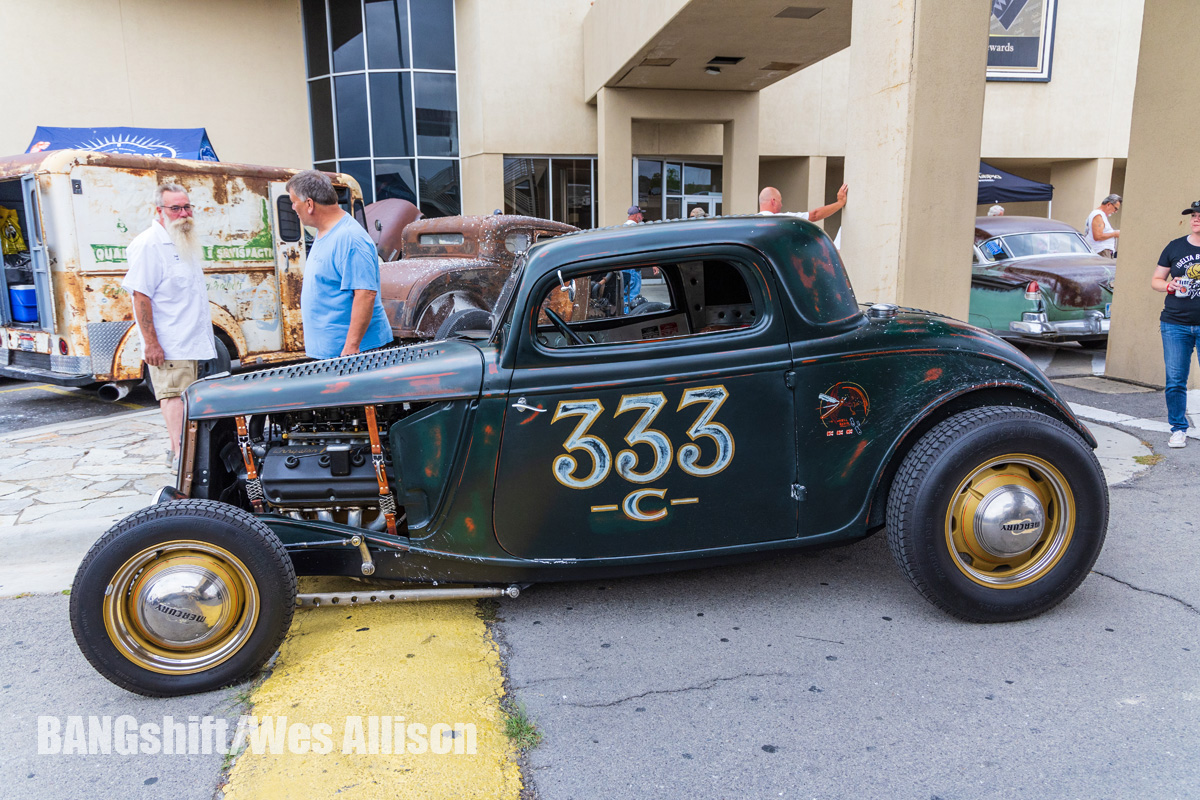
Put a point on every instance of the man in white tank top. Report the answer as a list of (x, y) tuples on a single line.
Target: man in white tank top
[(1098, 232)]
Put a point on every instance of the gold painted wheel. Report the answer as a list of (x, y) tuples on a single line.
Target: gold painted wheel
[(1010, 521), (181, 607)]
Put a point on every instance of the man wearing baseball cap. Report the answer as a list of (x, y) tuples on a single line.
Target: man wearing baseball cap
[(636, 215), (1178, 274)]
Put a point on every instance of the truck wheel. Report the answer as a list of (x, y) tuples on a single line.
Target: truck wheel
[(998, 514), (183, 597), (465, 319), (215, 366)]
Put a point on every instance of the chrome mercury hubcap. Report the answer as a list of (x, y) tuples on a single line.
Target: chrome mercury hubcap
[(1009, 521)]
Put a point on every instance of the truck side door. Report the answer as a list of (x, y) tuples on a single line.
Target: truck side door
[(667, 428)]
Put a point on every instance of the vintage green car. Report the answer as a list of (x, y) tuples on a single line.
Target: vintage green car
[(1035, 279), (753, 408)]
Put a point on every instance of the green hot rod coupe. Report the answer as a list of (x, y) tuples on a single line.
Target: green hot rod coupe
[(750, 406)]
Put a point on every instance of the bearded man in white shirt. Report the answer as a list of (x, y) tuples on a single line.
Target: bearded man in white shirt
[(170, 305)]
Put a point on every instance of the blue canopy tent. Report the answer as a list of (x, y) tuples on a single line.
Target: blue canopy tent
[(191, 143), (998, 186)]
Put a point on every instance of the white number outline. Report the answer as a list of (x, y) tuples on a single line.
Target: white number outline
[(704, 427), (565, 465), (650, 404)]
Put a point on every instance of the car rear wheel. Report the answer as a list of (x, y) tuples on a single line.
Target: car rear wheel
[(183, 597), (998, 514)]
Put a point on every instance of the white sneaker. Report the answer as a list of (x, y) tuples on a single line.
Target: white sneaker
[(1178, 439)]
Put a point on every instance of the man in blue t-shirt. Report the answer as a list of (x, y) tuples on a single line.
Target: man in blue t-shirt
[(339, 301)]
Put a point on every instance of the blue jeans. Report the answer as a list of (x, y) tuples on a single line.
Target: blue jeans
[(1178, 343)]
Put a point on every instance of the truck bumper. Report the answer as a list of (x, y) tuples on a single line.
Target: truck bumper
[(38, 375)]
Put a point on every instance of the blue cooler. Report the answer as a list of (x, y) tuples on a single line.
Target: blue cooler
[(24, 303)]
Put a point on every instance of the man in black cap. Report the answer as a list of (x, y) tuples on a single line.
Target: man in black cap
[(1178, 274)]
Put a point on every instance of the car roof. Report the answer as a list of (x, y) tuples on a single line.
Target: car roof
[(807, 265), (987, 227)]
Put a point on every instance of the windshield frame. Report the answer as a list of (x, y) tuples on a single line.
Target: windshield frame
[(508, 293)]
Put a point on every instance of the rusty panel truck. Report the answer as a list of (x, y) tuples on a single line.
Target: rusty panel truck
[(67, 217)]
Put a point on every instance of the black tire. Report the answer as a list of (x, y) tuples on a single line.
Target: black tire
[(990, 572), (465, 319), (215, 366), (158, 554)]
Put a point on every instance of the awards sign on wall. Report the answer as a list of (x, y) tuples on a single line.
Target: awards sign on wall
[(1021, 40)]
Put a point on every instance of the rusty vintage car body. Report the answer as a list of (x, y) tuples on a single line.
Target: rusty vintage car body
[(753, 408), (453, 267), (80, 209)]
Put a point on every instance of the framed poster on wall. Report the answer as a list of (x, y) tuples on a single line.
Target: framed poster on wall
[(1021, 40)]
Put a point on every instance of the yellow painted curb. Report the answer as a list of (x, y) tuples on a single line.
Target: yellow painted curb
[(349, 668)]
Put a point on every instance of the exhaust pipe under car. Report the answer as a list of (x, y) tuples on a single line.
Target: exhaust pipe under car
[(112, 392)]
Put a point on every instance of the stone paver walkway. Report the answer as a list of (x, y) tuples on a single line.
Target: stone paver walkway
[(62, 486)]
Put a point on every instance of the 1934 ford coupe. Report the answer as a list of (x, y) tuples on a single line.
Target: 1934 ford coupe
[(749, 406)]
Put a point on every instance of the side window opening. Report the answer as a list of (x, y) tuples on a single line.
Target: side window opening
[(645, 303), (290, 229)]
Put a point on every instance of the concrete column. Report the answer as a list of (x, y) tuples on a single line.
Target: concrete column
[(614, 157), (483, 183), (912, 150), (1079, 186), (801, 181), (739, 164), (1161, 179)]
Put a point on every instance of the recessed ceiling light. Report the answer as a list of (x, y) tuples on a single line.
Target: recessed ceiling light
[(713, 70), (725, 61), (799, 12)]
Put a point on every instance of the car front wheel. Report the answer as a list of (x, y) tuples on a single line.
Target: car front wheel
[(183, 597), (998, 514)]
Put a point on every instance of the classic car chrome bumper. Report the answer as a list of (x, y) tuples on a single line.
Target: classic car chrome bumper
[(1036, 324)]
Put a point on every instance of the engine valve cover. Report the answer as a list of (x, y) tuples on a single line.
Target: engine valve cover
[(320, 477)]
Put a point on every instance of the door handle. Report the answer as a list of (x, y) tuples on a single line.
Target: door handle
[(521, 406)]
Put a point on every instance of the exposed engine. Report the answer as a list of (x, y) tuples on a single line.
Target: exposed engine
[(317, 464)]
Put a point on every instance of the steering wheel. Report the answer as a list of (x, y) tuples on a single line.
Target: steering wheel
[(563, 327)]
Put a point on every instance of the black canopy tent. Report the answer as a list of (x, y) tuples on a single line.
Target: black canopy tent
[(998, 186)]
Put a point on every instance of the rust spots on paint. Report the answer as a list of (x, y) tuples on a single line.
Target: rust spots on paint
[(335, 388), (932, 374), (470, 523)]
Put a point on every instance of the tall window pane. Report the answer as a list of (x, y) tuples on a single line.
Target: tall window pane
[(387, 33), (674, 180), (391, 113), (396, 178), (437, 114), (320, 103), (433, 34), (438, 185), (350, 92), (346, 35), (650, 188), (316, 37), (361, 172), (526, 187), (572, 180), (701, 179)]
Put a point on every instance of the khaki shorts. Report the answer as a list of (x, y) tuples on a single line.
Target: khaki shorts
[(172, 378)]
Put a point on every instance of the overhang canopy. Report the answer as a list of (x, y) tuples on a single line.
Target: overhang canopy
[(730, 45), (998, 186)]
